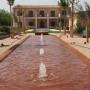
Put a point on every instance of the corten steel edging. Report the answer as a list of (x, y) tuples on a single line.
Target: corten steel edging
[(82, 57), (5, 54)]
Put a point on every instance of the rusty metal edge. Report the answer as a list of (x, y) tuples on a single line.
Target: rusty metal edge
[(5, 54), (81, 56)]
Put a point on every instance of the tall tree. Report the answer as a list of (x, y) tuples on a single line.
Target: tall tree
[(23, 13), (11, 2), (4, 18), (64, 4), (81, 13), (87, 7)]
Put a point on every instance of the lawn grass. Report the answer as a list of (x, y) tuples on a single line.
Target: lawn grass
[(16, 30), (53, 31), (30, 31)]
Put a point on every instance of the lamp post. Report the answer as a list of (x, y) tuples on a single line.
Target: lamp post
[(19, 9), (71, 28)]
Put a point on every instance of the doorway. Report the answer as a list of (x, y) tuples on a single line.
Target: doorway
[(41, 24)]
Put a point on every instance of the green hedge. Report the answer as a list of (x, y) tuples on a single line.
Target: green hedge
[(3, 33), (52, 27), (31, 28), (84, 32), (79, 29), (5, 29)]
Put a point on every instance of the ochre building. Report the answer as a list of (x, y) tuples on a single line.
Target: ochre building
[(39, 16)]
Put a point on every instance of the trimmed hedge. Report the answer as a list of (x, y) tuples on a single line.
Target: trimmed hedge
[(5, 30), (79, 29), (84, 32)]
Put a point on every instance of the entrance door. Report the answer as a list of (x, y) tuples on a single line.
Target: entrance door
[(41, 24)]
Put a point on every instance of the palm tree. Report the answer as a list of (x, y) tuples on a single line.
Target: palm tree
[(87, 6), (19, 23), (23, 12), (81, 13), (11, 2), (64, 4)]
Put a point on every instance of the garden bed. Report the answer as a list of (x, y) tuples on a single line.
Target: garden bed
[(6, 36), (80, 35)]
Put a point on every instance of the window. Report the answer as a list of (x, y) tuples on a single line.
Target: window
[(53, 13), (30, 23), (19, 13), (42, 13), (30, 13), (52, 23)]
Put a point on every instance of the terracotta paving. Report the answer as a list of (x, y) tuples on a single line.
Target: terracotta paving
[(19, 71)]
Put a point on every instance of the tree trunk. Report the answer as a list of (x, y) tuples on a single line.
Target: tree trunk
[(64, 22), (23, 24), (11, 29), (19, 33)]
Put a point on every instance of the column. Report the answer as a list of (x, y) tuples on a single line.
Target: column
[(47, 21), (36, 21)]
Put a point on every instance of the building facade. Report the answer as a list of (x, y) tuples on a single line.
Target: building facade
[(39, 16)]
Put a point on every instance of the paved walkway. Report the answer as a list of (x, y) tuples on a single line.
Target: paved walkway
[(79, 43), (8, 42)]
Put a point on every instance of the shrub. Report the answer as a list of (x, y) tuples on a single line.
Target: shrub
[(31, 28), (5, 29), (52, 27), (79, 29), (3, 33), (84, 32)]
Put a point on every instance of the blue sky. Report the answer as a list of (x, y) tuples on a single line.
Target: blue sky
[(4, 5)]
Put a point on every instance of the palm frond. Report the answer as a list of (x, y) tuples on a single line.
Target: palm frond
[(11, 2), (87, 7)]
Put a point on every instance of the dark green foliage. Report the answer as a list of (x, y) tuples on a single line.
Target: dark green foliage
[(63, 3), (3, 33), (4, 18), (53, 31), (80, 11), (79, 29), (15, 18), (87, 6), (10, 2), (52, 27), (5, 29), (31, 27), (61, 19), (84, 32)]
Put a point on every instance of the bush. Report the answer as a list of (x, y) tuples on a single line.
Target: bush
[(52, 27), (5, 29), (31, 28), (79, 29), (3, 33), (84, 32)]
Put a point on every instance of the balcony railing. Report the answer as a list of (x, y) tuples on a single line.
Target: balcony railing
[(41, 15)]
